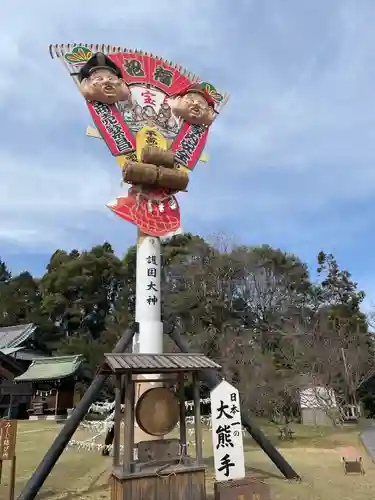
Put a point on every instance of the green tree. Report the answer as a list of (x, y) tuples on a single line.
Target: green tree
[(336, 287), (251, 288), (123, 311), (345, 329), (79, 290), (19, 298), (271, 292), (233, 304), (24, 299), (339, 299), (5, 274), (331, 345)]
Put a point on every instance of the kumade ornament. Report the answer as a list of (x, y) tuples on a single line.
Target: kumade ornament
[(154, 117)]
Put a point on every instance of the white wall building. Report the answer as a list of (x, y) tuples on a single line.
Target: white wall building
[(318, 406)]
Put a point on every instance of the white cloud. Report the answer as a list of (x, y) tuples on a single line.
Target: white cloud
[(42, 201), (20, 236)]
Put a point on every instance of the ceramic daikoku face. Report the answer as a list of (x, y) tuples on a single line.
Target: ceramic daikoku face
[(104, 86), (193, 108)]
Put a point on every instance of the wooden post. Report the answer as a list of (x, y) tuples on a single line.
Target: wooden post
[(56, 401), (181, 396), (1, 469), (197, 419), (8, 437), (117, 423), (10, 408), (12, 478), (128, 423)]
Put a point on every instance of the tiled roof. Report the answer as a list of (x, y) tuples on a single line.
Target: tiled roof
[(21, 353), (53, 368), (8, 351), (13, 336), (11, 363), (154, 363)]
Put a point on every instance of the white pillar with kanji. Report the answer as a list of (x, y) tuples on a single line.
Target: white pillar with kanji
[(227, 438), (148, 297)]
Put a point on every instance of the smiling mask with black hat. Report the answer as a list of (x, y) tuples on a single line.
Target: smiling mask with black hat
[(194, 105), (101, 80)]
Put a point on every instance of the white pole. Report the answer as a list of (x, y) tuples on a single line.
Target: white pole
[(149, 340), (148, 296)]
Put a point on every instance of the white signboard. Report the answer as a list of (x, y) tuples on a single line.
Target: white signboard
[(227, 437)]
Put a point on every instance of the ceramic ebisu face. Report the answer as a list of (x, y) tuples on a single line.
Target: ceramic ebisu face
[(101, 80), (194, 106)]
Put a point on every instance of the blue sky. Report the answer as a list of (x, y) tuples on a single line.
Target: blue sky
[(292, 156)]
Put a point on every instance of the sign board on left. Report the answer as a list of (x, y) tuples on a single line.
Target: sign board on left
[(8, 437), (227, 436)]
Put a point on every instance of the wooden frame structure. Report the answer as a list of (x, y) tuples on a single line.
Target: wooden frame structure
[(45, 467), (176, 475)]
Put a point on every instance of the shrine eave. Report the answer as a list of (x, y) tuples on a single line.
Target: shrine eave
[(157, 363)]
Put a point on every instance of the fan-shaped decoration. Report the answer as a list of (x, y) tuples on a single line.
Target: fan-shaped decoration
[(154, 86)]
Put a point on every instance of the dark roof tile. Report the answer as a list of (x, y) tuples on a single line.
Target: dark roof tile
[(151, 363)]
